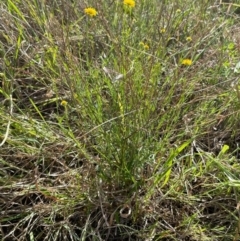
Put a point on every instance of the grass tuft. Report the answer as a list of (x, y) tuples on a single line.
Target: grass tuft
[(119, 120)]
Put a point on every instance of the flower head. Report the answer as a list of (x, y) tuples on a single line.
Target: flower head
[(186, 62), (162, 30), (64, 103), (92, 12), (129, 3), (189, 39), (144, 45)]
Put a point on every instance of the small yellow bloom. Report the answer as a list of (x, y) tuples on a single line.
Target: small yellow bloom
[(129, 3), (162, 30), (186, 62), (189, 39), (64, 103), (92, 12), (178, 11), (144, 45)]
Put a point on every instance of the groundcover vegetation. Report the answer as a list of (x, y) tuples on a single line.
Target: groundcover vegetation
[(119, 120)]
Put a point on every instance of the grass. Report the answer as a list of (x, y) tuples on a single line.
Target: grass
[(123, 125)]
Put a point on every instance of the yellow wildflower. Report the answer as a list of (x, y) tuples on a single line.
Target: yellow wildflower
[(189, 39), (162, 30), (144, 45), (64, 103), (130, 3), (92, 12), (186, 62), (178, 11)]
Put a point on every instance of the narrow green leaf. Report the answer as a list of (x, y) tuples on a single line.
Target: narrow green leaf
[(224, 149)]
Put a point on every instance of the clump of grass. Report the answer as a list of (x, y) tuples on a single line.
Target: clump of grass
[(119, 121)]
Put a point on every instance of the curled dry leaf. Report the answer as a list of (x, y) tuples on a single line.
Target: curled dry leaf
[(112, 74)]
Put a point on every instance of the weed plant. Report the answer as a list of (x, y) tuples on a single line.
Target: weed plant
[(119, 120)]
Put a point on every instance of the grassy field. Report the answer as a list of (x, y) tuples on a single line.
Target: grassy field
[(119, 120)]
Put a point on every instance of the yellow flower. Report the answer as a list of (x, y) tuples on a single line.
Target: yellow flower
[(189, 39), (130, 3), (92, 12), (187, 62), (145, 46), (178, 11), (64, 103), (162, 30)]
